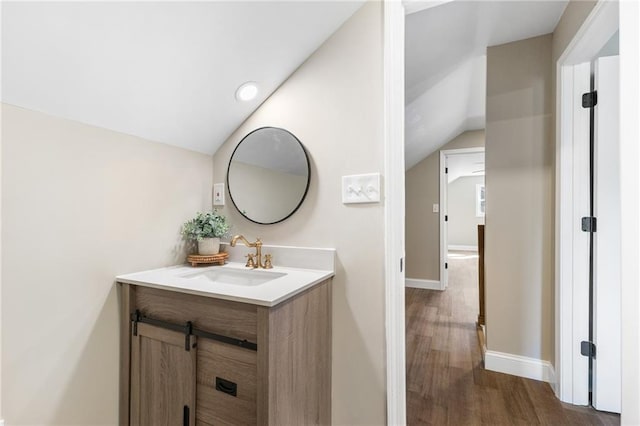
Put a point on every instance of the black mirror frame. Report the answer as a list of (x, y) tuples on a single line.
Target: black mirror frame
[(306, 190)]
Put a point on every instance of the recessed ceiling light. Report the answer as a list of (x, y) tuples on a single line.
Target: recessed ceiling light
[(247, 91)]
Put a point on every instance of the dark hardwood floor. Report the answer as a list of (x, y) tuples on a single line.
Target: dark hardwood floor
[(446, 381)]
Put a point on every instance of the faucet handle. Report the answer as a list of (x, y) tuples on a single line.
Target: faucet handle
[(250, 262), (267, 261)]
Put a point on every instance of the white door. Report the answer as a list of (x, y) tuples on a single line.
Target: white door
[(606, 268)]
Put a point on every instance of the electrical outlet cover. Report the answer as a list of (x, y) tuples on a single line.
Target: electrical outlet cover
[(218, 194)]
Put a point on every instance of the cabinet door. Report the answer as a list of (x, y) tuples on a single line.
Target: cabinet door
[(163, 378)]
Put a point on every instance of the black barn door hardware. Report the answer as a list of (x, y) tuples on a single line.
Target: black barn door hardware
[(188, 330)]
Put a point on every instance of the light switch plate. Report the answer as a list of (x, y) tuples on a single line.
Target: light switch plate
[(361, 188), (436, 208), (218, 194)]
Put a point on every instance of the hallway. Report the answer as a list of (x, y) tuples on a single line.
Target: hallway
[(446, 383)]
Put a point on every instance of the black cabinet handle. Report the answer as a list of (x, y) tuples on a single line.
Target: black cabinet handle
[(226, 386)]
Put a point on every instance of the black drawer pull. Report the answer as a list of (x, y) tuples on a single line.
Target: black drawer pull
[(226, 386)]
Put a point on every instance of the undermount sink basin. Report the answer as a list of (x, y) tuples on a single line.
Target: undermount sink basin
[(249, 277)]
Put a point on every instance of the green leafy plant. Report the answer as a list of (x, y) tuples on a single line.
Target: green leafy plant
[(206, 225)]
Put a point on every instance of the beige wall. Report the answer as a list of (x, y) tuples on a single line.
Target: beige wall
[(80, 205), (520, 199), (266, 195), (463, 222), (334, 104), (422, 183)]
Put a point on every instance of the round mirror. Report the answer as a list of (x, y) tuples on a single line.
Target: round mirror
[(268, 175)]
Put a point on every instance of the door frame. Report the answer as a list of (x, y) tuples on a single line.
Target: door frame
[(630, 193), (393, 39), (571, 311), (444, 276), (630, 196)]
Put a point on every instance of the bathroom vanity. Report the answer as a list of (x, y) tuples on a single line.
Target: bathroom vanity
[(224, 345)]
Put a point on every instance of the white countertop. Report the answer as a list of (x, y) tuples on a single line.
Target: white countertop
[(286, 282)]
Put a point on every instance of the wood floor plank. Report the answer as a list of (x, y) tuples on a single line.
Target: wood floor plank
[(446, 381)]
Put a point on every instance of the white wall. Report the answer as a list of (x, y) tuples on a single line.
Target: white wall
[(80, 205), (334, 105), (463, 222)]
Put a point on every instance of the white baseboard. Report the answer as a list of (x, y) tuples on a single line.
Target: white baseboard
[(424, 284), (554, 383), (522, 366), (462, 248)]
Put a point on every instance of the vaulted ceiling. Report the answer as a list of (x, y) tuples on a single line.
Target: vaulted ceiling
[(163, 71), (445, 63), (168, 71)]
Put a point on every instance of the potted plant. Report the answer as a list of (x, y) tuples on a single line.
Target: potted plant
[(206, 229)]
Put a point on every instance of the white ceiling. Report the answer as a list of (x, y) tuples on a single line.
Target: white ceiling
[(445, 64), (163, 71), (465, 165)]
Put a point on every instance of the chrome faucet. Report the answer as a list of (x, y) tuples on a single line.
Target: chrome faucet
[(257, 258)]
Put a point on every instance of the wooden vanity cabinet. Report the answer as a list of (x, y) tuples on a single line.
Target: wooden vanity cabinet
[(285, 381)]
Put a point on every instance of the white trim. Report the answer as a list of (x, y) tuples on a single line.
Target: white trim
[(521, 366), (423, 284), (443, 212), (393, 118), (444, 278), (630, 196), (571, 311), (462, 248), (596, 30), (462, 150)]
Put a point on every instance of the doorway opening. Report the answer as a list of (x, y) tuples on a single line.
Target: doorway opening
[(462, 203), (630, 130)]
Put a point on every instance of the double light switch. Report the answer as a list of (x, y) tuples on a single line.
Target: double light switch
[(361, 188)]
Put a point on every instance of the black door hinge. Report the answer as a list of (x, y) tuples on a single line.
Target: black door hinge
[(401, 264), (588, 349), (589, 100), (446, 265), (446, 170), (589, 224), (446, 218)]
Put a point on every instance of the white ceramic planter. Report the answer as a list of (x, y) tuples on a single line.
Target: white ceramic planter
[(209, 246)]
